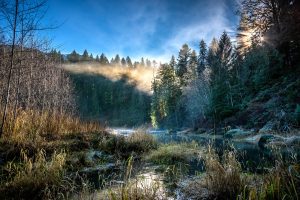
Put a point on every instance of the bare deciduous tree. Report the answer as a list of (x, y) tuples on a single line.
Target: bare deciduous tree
[(31, 78)]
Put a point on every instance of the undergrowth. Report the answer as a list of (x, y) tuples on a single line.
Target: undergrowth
[(35, 178)]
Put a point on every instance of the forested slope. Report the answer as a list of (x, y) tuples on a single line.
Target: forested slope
[(115, 95)]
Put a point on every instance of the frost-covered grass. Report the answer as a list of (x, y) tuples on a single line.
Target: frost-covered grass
[(136, 144), (34, 178), (173, 153)]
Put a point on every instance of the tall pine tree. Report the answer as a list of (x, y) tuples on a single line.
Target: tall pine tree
[(129, 62), (85, 56), (182, 63), (202, 59)]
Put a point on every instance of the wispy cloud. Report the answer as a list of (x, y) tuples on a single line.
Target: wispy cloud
[(154, 29), (214, 21)]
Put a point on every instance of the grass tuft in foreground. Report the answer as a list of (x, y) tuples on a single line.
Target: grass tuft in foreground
[(224, 179), (137, 143), (34, 177), (170, 154), (32, 131)]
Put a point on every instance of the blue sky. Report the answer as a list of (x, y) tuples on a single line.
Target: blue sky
[(150, 28)]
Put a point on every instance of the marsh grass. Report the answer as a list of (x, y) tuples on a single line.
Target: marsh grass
[(175, 161), (223, 178), (32, 131), (34, 149), (136, 144), (34, 178), (136, 188), (283, 182), (134, 191), (173, 153)]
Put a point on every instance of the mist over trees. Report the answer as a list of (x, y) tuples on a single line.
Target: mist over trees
[(75, 57), (225, 78)]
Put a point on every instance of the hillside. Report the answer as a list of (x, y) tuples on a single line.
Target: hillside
[(114, 95)]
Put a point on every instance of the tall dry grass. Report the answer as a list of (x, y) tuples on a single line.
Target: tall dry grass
[(137, 143), (33, 130), (222, 179), (34, 178)]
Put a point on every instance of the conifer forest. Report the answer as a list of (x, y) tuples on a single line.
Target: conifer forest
[(150, 100)]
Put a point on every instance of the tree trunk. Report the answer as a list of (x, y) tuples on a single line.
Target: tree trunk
[(10, 69)]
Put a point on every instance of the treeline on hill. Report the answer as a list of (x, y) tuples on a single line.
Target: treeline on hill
[(98, 98), (251, 83), (75, 57)]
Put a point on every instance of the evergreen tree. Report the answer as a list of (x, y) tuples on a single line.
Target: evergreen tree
[(117, 60), (123, 62), (112, 61), (202, 60), (173, 62), (244, 35), (97, 59), (73, 57), (142, 62), (222, 99), (129, 62), (85, 56), (103, 59), (148, 63), (166, 96), (154, 63), (182, 63), (192, 66), (91, 57), (56, 56)]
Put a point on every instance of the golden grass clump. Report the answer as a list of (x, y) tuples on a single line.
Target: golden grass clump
[(170, 154), (33, 130), (34, 122), (141, 141), (34, 177), (135, 191), (223, 179), (138, 143)]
